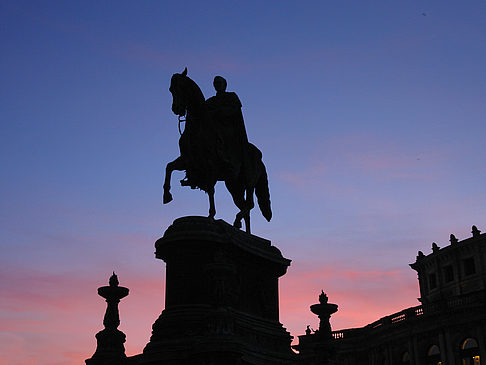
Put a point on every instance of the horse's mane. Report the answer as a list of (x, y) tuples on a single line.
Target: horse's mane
[(195, 93), (192, 90)]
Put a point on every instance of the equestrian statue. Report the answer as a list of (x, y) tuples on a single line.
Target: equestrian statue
[(214, 147)]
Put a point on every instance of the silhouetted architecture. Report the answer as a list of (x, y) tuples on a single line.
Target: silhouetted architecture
[(221, 299), (222, 308), (318, 348), (214, 147), (449, 327), (110, 349)]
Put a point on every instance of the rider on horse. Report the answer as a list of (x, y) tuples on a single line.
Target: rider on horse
[(214, 147), (231, 140)]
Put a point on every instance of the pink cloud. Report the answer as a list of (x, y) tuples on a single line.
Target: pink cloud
[(167, 58), (358, 292), (351, 156), (40, 312), (297, 180)]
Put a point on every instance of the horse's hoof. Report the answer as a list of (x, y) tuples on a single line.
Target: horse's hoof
[(237, 224), (167, 197)]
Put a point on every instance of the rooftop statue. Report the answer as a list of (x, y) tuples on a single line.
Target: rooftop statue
[(214, 147)]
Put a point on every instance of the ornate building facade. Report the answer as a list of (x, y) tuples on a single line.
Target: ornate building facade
[(222, 308), (448, 327)]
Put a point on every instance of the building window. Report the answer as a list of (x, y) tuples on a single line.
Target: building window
[(433, 355), (432, 281), (470, 352), (448, 274), (469, 267)]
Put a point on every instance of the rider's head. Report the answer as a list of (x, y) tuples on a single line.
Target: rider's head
[(219, 83)]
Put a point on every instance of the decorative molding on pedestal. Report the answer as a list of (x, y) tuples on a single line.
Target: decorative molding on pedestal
[(221, 302)]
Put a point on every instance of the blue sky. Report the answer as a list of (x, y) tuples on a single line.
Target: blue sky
[(370, 116)]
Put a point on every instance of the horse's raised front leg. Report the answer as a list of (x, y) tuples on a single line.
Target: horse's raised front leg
[(178, 165), (212, 206)]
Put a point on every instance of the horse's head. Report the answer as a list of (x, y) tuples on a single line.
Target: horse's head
[(178, 89)]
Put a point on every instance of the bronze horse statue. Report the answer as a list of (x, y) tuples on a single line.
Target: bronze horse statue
[(203, 162)]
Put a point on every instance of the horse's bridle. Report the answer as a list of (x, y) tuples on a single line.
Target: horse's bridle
[(180, 122)]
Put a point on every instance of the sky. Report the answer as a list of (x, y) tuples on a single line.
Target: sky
[(370, 116)]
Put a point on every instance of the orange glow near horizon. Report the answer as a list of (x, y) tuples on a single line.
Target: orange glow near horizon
[(370, 118), (79, 311)]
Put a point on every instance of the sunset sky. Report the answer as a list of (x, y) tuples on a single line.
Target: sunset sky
[(371, 116)]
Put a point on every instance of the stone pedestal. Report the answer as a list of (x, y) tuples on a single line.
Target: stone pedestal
[(221, 302)]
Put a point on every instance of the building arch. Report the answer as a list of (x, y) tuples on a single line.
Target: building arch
[(433, 355), (406, 358), (469, 351)]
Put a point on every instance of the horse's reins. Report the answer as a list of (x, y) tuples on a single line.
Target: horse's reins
[(180, 122)]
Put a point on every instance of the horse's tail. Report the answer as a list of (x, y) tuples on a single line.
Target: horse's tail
[(263, 194)]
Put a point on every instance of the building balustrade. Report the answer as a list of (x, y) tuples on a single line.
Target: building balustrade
[(410, 314)]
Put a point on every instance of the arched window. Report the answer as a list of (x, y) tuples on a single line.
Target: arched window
[(470, 352), (433, 355), (405, 358)]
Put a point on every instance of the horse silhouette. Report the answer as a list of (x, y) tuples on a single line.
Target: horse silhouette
[(202, 161)]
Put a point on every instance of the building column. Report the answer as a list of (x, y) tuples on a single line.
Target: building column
[(482, 345), (389, 356), (415, 351), (411, 352), (373, 357), (444, 349), (451, 358)]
